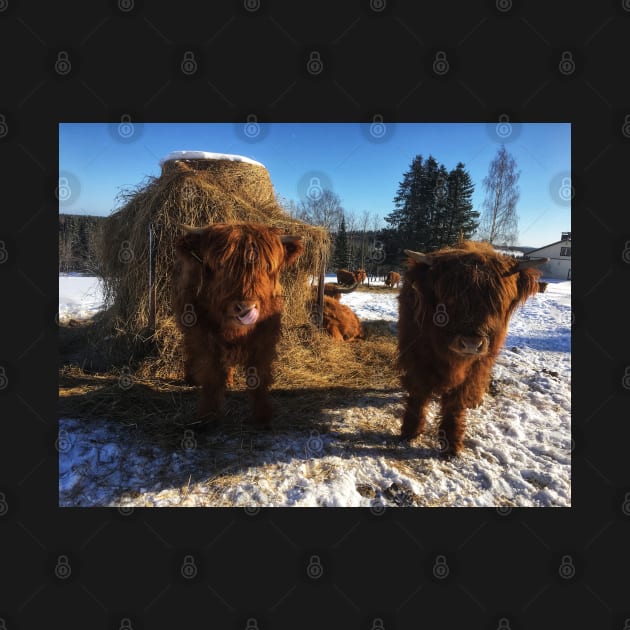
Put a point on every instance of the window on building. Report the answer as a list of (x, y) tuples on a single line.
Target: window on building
[(565, 251)]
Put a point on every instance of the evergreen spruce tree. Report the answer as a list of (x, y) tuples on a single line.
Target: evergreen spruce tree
[(341, 255), (462, 219)]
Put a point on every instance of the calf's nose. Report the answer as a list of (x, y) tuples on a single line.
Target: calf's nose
[(471, 345), (243, 307)]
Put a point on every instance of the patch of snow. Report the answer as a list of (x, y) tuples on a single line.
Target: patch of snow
[(205, 155)]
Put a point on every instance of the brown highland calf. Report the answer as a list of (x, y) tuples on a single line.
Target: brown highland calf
[(340, 321), (392, 279), (361, 276), (454, 309), (346, 277), (227, 300)]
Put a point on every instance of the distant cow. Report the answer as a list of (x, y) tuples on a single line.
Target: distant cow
[(340, 321), (227, 301), (361, 276), (454, 309), (542, 286), (392, 279), (345, 277)]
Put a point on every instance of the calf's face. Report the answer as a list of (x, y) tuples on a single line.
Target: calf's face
[(236, 268), (469, 295)]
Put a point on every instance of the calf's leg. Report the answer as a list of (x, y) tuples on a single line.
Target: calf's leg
[(414, 417), (453, 422)]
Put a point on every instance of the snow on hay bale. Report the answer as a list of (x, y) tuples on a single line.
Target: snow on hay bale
[(137, 247)]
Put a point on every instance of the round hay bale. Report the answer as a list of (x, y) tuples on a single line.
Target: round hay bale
[(136, 251)]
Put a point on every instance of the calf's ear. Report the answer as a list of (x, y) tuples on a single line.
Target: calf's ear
[(188, 245), (528, 275), (293, 247)]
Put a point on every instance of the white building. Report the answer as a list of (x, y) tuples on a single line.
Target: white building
[(559, 267)]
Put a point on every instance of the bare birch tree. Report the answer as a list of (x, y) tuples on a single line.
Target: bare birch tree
[(499, 221)]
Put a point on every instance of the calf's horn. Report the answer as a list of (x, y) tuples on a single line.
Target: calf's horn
[(419, 257), (190, 229), (534, 262)]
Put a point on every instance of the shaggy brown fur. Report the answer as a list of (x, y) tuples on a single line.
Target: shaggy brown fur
[(453, 319), (345, 277), (340, 322), (392, 279), (361, 276), (227, 300)]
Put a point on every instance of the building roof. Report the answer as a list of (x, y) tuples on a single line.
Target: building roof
[(532, 251)]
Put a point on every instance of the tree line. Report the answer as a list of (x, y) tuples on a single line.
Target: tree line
[(433, 208), (78, 236)]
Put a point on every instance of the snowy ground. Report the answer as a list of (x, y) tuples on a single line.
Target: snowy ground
[(517, 447)]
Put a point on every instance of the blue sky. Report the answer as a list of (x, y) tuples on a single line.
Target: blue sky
[(362, 163)]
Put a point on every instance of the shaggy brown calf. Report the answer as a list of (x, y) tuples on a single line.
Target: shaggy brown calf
[(227, 301), (345, 277), (341, 322), (542, 286), (361, 276), (454, 309), (392, 279)]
